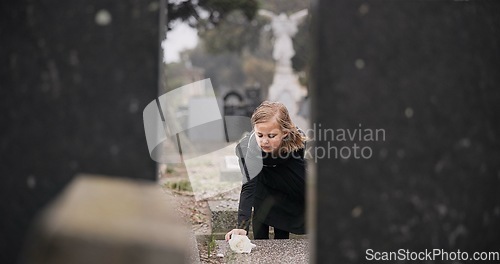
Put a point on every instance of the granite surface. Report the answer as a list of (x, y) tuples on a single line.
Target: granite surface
[(224, 215), (268, 251)]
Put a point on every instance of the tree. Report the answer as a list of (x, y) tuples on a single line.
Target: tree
[(234, 33), (235, 48), (300, 62), (211, 12)]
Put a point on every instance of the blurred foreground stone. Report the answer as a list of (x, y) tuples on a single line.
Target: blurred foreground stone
[(75, 78), (110, 220)]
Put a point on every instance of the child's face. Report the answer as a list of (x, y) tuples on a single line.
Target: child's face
[(269, 136)]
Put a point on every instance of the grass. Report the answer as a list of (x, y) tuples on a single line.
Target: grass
[(170, 170), (211, 245), (181, 185)]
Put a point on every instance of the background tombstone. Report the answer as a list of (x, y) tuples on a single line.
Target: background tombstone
[(253, 98), (426, 73), (75, 79), (233, 103)]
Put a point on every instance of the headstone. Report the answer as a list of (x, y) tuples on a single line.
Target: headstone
[(76, 78), (224, 215), (204, 173), (230, 169), (237, 105), (253, 99), (213, 132), (233, 103), (427, 74)]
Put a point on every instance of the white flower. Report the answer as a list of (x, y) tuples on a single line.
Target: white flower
[(240, 244)]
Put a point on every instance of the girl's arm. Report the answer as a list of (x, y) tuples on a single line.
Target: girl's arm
[(246, 204), (250, 157), (250, 165)]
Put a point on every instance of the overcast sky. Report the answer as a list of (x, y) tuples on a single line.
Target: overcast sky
[(181, 37)]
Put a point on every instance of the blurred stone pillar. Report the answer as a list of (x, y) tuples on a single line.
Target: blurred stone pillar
[(426, 72), (75, 78)]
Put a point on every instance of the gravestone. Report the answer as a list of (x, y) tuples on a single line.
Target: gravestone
[(197, 110), (426, 72), (253, 97), (233, 104), (230, 169), (237, 105), (224, 215), (76, 78)]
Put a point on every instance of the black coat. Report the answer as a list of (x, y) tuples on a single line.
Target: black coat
[(274, 187)]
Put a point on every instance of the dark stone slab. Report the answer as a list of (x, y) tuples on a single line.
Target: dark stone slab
[(427, 73), (224, 215), (75, 77)]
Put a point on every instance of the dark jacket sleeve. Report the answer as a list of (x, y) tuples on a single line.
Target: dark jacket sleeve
[(246, 204), (248, 166), (250, 157)]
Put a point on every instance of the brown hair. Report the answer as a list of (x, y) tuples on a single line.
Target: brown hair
[(268, 110)]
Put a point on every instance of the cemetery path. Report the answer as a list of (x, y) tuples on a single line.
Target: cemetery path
[(195, 213)]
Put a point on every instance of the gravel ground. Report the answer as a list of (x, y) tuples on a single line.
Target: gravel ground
[(194, 212)]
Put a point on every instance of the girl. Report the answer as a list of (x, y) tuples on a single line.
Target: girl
[(272, 162)]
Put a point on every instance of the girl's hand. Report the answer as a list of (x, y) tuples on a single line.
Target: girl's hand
[(236, 232)]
